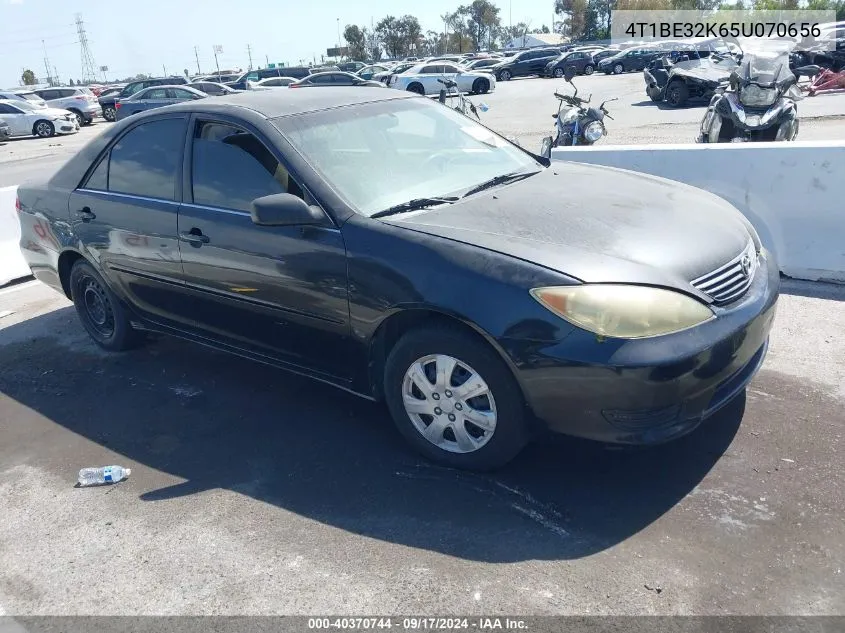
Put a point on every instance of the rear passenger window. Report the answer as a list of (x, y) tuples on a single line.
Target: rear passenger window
[(145, 162), (230, 168)]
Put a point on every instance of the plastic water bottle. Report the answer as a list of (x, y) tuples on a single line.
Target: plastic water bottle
[(483, 107), (104, 475)]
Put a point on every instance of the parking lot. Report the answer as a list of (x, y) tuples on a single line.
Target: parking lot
[(258, 492)]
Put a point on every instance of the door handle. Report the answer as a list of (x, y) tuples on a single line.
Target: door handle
[(85, 214), (194, 237)]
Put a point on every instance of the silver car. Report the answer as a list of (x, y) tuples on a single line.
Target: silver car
[(23, 95), (79, 100)]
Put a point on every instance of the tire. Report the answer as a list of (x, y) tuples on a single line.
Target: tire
[(102, 314), (505, 75), (480, 86), (79, 117), (589, 69), (558, 73), (109, 113), (43, 129), (502, 405), (654, 93), (677, 94), (618, 69), (417, 88)]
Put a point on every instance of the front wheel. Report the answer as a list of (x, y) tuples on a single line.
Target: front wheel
[(558, 73), (618, 69), (677, 94), (589, 69), (43, 129), (101, 313), (454, 399)]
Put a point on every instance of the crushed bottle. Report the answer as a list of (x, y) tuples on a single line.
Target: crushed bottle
[(104, 475)]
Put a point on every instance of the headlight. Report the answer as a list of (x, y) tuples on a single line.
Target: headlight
[(753, 95), (594, 131), (569, 116), (624, 311)]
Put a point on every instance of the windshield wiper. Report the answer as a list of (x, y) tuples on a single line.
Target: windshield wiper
[(413, 205), (499, 180)]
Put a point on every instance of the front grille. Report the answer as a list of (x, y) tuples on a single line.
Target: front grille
[(731, 281)]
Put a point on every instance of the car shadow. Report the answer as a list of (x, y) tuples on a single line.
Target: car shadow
[(219, 421), (662, 105), (812, 289)]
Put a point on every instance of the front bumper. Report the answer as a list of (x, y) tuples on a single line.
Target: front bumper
[(648, 391), (66, 127)]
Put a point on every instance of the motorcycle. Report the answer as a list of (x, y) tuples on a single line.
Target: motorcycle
[(758, 103), (578, 124)]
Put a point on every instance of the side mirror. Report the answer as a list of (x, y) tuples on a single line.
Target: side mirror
[(569, 73), (285, 209)]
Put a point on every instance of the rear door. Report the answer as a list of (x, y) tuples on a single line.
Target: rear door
[(277, 291), (538, 63), (125, 216)]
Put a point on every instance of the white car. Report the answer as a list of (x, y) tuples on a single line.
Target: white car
[(77, 99), (422, 79), (274, 82), (23, 95), (25, 119)]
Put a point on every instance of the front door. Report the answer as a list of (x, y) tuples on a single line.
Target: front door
[(19, 123), (125, 218), (277, 291)]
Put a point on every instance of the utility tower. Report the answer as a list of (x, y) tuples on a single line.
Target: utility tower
[(88, 72)]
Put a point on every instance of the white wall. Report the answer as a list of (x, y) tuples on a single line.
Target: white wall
[(12, 264), (791, 192)]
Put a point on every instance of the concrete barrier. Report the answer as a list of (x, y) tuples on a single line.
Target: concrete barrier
[(789, 191), (12, 264)]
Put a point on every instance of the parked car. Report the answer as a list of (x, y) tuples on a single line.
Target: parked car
[(274, 82), (603, 54), (108, 102), (581, 61), (384, 75), (482, 63), (26, 119), (79, 100), (211, 88), (334, 78), (629, 319), (351, 67), (23, 95), (242, 82), (631, 59), (524, 64), (422, 79), (369, 72), (222, 78), (156, 97)]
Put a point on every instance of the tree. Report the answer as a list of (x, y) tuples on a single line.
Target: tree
[(356, 41), (460, 29), (483, 19), (410, 34), (71, 82), (28, 78), (388, 32)]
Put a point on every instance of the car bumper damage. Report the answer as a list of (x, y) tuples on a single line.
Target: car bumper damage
[(649, 391)]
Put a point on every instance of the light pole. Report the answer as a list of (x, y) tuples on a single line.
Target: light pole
[(338, 35)]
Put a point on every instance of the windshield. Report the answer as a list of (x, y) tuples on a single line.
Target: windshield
[(764, 68), (377, 155)]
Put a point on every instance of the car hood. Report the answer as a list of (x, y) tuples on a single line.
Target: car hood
[(703, 70), (597, 224)]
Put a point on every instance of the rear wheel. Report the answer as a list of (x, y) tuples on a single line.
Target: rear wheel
[(101, 313), (79, 117), (677, 94), (454, 399), (43, 129), (417, 88), (589, 69), (480, 86), (109, 113), (505, 75)]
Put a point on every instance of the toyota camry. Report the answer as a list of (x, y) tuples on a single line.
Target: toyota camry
[(390, 246)]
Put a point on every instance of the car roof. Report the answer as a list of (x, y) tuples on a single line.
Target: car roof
[(272, 103)]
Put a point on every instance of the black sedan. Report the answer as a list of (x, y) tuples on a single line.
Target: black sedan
[(334, 79), (581, 61), (392, 247)]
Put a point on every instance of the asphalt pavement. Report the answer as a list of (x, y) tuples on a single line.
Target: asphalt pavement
[(258, 492)]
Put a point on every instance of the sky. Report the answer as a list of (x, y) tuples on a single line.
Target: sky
[(152, 36)]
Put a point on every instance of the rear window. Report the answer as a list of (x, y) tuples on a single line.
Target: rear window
[(29, 96)]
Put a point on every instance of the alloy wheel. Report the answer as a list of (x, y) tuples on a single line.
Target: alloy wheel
[(558, 72), (44, 129), (617, 70), (449, 403)]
